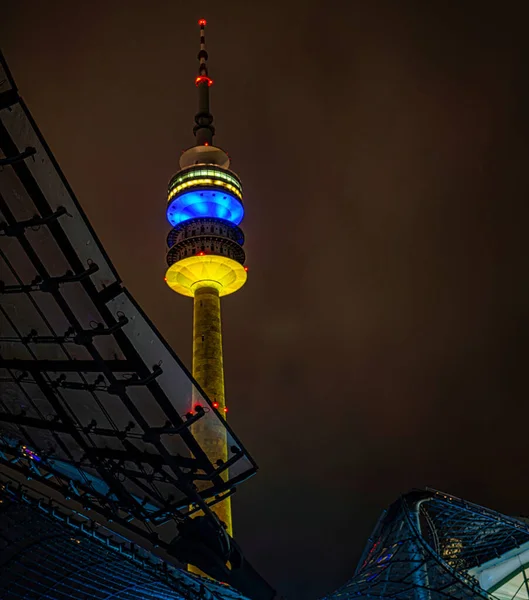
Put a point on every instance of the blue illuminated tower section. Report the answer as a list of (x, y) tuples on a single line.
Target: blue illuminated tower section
[(206, 257)]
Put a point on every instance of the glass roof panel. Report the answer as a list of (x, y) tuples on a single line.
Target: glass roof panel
[(88, 385)]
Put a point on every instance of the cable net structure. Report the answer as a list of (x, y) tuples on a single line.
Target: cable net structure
[(433, 546)]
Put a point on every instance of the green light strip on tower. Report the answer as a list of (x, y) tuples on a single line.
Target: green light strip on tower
[(210, 173)]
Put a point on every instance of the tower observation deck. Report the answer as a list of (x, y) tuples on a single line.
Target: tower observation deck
[(206, 257)]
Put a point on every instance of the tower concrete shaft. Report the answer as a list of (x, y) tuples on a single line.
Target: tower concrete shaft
[(208, 371)]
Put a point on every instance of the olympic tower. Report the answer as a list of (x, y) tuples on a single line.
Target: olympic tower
[(205, 257)]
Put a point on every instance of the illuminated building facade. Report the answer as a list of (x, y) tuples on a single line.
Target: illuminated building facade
[(433, 546), (206, 258)]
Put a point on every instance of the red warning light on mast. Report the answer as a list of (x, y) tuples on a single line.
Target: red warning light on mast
[(202, 22), (201, 78)]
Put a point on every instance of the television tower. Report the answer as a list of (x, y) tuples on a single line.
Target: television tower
[(206, 258)]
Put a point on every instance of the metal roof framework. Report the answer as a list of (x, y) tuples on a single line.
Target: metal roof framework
[(93, 402), (48, 550)]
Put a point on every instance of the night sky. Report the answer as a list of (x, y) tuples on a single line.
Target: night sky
[(381, 340)]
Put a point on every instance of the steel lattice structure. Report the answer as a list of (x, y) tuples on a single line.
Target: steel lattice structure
[(432, 546)]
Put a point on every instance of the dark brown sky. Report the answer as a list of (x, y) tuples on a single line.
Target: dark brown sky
[(381, 341)]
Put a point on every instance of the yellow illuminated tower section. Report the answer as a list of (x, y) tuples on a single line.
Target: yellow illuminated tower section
[(205, 257)]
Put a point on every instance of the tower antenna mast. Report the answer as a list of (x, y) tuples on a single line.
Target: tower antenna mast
[(203, 130)]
